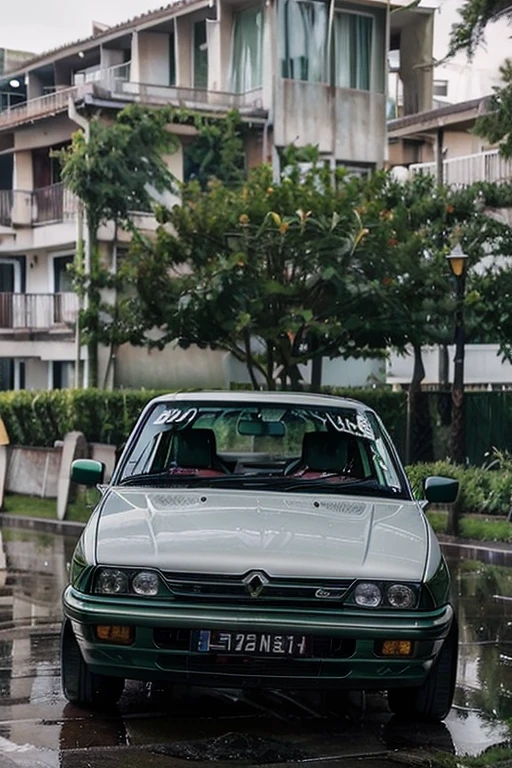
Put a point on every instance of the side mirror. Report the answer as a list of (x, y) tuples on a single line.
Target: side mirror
[(87, 472), (441, 490)]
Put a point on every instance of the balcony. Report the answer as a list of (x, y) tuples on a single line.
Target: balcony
[(114, 83), (53, 204), (466, 170), (38, 311), (47, 205)]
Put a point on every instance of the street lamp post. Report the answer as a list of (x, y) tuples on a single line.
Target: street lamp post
[(457, 260)]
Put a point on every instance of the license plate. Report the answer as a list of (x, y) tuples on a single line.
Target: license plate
[(250, 643)]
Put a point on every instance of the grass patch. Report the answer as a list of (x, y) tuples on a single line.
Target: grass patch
[(33, 506), (477, 528)]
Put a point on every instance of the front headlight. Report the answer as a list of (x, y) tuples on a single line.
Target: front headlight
[(111, 582), (401, 596), (368, 595), (145, 583)]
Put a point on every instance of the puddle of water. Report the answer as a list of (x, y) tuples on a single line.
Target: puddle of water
[(179, 725)]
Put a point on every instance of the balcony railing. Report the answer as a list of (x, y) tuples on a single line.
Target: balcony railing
[(116, 81), (37, 311), (53, 204), (6, 199), (42, 106), (47, 205), (463, 171)]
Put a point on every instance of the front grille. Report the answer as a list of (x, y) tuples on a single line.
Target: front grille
[(254, 667), (321, 647), (278, 592)]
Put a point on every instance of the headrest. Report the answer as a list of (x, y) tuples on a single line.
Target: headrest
[(195, 448), (325, 452)]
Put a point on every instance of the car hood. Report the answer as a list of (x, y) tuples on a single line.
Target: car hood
[(283, 534)]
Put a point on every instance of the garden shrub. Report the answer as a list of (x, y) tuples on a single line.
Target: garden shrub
[(482, 491)]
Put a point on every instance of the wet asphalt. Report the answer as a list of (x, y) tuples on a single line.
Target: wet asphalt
[(159, 726)]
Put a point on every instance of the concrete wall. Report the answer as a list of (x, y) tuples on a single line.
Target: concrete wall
[(483, 366), (348, 123), (172, 368), (46, 134), (153, 53), (183, 51), (33, 471)]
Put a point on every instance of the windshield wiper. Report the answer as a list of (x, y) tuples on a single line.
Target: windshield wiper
[(157, 478), (363, 487)]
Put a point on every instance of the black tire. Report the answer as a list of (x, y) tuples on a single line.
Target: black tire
[(433, 699), (80, 685)]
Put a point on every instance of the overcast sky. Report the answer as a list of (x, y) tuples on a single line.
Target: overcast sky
[(40, 25)]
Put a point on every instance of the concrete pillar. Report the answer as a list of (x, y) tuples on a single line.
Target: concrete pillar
[(416, 72), (75, 447), (184, 52)]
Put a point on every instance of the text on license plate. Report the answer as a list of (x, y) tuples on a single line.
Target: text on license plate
[(250, 643)]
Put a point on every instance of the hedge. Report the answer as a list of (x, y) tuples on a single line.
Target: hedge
[(482, 491), (40, 418)]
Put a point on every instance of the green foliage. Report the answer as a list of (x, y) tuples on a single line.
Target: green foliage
[(217, 152), (110, 172), (41, 418), (468, 32), (482, 491), (496, 126)]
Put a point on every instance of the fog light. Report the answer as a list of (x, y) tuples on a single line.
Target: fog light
[(114, 634), (395, 648)]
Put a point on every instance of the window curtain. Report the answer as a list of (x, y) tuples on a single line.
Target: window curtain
[(200, 55), (303, 40), (353, 50), (247, 46)]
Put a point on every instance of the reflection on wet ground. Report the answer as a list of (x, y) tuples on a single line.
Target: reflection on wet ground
[(158, 726)]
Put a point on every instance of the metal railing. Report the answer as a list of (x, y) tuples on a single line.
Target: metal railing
[(6, 203), (463, 171), (149, 93), (37, 311), (40, 106), (104, 76), (53, 204)]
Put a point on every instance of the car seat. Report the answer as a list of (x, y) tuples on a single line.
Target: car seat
[(195, 451)]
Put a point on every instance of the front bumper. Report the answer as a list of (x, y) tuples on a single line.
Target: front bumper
[(355, 666)]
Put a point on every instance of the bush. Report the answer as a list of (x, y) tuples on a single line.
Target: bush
[(41, 418), (483, 492)]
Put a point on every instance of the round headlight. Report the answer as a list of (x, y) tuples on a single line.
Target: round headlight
[(368, 595), (401, 596), (145, 583), (111, 582)]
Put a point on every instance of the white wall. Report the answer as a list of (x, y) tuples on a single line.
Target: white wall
[(469, 79), (483, 366), (153, 55)]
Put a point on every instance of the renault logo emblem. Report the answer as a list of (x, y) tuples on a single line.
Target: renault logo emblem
[(255, 582)]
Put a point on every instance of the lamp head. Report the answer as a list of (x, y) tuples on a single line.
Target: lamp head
[(457, 260)]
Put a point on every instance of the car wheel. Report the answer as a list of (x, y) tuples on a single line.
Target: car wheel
[(433, 699), (79, 684)]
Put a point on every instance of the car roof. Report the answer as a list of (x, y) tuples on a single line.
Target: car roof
[(303, 399)]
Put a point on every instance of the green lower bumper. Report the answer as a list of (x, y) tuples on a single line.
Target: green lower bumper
[(356, 666)]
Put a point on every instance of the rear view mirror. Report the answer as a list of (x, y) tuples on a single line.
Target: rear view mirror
[(87, 472), (261, 428), (441, 490)]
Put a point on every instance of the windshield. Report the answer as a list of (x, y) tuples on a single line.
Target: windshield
[(272, 447)]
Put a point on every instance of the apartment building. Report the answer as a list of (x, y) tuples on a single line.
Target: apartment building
[(299, 71)]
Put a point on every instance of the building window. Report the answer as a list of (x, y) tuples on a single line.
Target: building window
[(353, 47), (440, 87), (62, 281), (172, 59), (200, 55), (246, 70), (63, 374), (302, 40)]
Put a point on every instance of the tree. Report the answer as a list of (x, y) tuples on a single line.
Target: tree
[(275, 274), (114, 172), (467, 34)]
